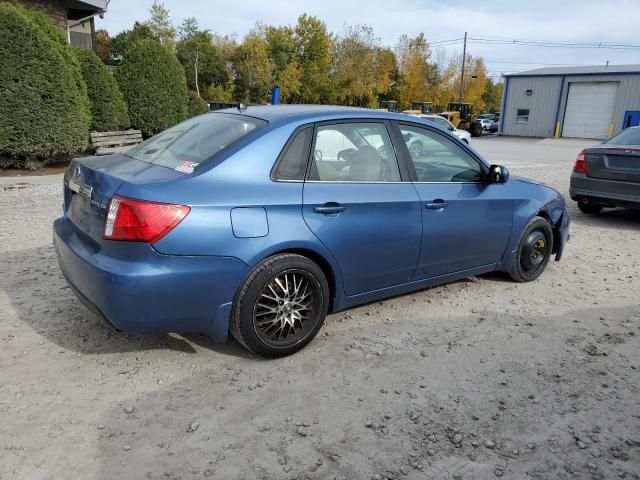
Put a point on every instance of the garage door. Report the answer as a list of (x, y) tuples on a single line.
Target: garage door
[(590, 108)]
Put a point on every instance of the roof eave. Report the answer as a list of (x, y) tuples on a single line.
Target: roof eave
[(569, 74)]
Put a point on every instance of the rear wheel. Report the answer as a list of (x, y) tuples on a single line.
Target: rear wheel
[(534, 251), (281, 306), (589, 208)]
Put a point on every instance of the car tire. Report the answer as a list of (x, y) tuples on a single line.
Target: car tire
[(281, 305), (534, 251), (589, 208), (475, 129)]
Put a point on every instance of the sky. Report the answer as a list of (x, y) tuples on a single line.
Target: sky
[(613, 21)]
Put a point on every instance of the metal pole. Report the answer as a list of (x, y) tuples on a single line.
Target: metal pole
[(464, 58)]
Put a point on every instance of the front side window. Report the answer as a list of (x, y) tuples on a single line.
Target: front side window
[(522, 115), (438, 159), (194, 141), (354, 152)]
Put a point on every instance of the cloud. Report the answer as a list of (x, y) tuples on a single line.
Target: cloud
[(613, 21)]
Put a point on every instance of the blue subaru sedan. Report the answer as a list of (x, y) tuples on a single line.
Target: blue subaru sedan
[(261, 221)]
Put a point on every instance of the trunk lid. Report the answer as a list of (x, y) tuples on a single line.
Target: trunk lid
[(621, 163), (89, 184)]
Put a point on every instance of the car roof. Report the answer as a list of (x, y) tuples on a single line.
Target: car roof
[(310, 112)]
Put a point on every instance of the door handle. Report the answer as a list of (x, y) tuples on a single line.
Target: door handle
[(330, 209), (437, 204)]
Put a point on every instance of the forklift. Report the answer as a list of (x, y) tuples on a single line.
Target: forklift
[(215, 105), (388, 106), (462, 117), (418, 108)]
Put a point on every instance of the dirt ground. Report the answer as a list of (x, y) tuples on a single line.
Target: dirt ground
[(477, 379)]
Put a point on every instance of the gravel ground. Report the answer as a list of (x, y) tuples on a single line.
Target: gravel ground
[(477, 379)]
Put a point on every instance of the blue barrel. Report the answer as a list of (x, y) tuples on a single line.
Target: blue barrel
[(275, 95)]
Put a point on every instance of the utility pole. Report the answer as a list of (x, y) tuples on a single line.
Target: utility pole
[(464, 58)]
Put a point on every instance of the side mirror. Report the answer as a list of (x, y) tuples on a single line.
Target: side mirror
[(498, 174)]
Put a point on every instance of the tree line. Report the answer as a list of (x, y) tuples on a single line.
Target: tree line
[(52, 94), (308, 63)]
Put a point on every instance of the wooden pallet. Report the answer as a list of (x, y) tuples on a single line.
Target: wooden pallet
[(106, 143)]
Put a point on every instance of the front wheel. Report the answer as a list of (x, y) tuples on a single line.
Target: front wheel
[(534, 251), (475, 129), (281, 306)]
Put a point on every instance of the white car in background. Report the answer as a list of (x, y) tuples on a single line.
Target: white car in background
[(486, 124), (447, 125)]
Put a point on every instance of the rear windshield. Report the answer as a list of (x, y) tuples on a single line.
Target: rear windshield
[(630, 136), (440, 121), (190, 143)]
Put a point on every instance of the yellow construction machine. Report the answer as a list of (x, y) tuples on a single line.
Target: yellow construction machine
[(388, 106), (462, 117), (418, 108)]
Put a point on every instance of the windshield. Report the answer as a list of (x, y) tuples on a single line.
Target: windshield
[(630, 136), (190, 143)]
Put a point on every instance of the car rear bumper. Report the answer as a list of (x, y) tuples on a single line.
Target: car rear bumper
[(604, 192), (147, 291)]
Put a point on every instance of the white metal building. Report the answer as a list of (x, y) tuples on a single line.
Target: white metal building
[(575, 102)]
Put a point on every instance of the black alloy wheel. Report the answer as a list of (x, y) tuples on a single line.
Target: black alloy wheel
[(281, 305), (287, 308)]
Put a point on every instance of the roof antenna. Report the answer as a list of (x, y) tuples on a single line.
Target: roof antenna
[(241, 107)]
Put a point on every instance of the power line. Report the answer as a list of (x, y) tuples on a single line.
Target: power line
[(569, 42), (539, 43), (549, 44), (439, 43), (442, 42), (601, 45), (535, 63)]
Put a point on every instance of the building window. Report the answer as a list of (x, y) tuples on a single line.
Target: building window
[(81, 34), (522, 115)]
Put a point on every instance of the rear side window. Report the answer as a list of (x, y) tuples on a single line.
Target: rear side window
[(193, 142), (353, 152), (292, 162)]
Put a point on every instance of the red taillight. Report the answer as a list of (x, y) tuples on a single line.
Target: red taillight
[(141, 221), (581, 162)]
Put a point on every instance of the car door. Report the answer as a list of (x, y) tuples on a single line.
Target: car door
[(360, 206), (466, 221)]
